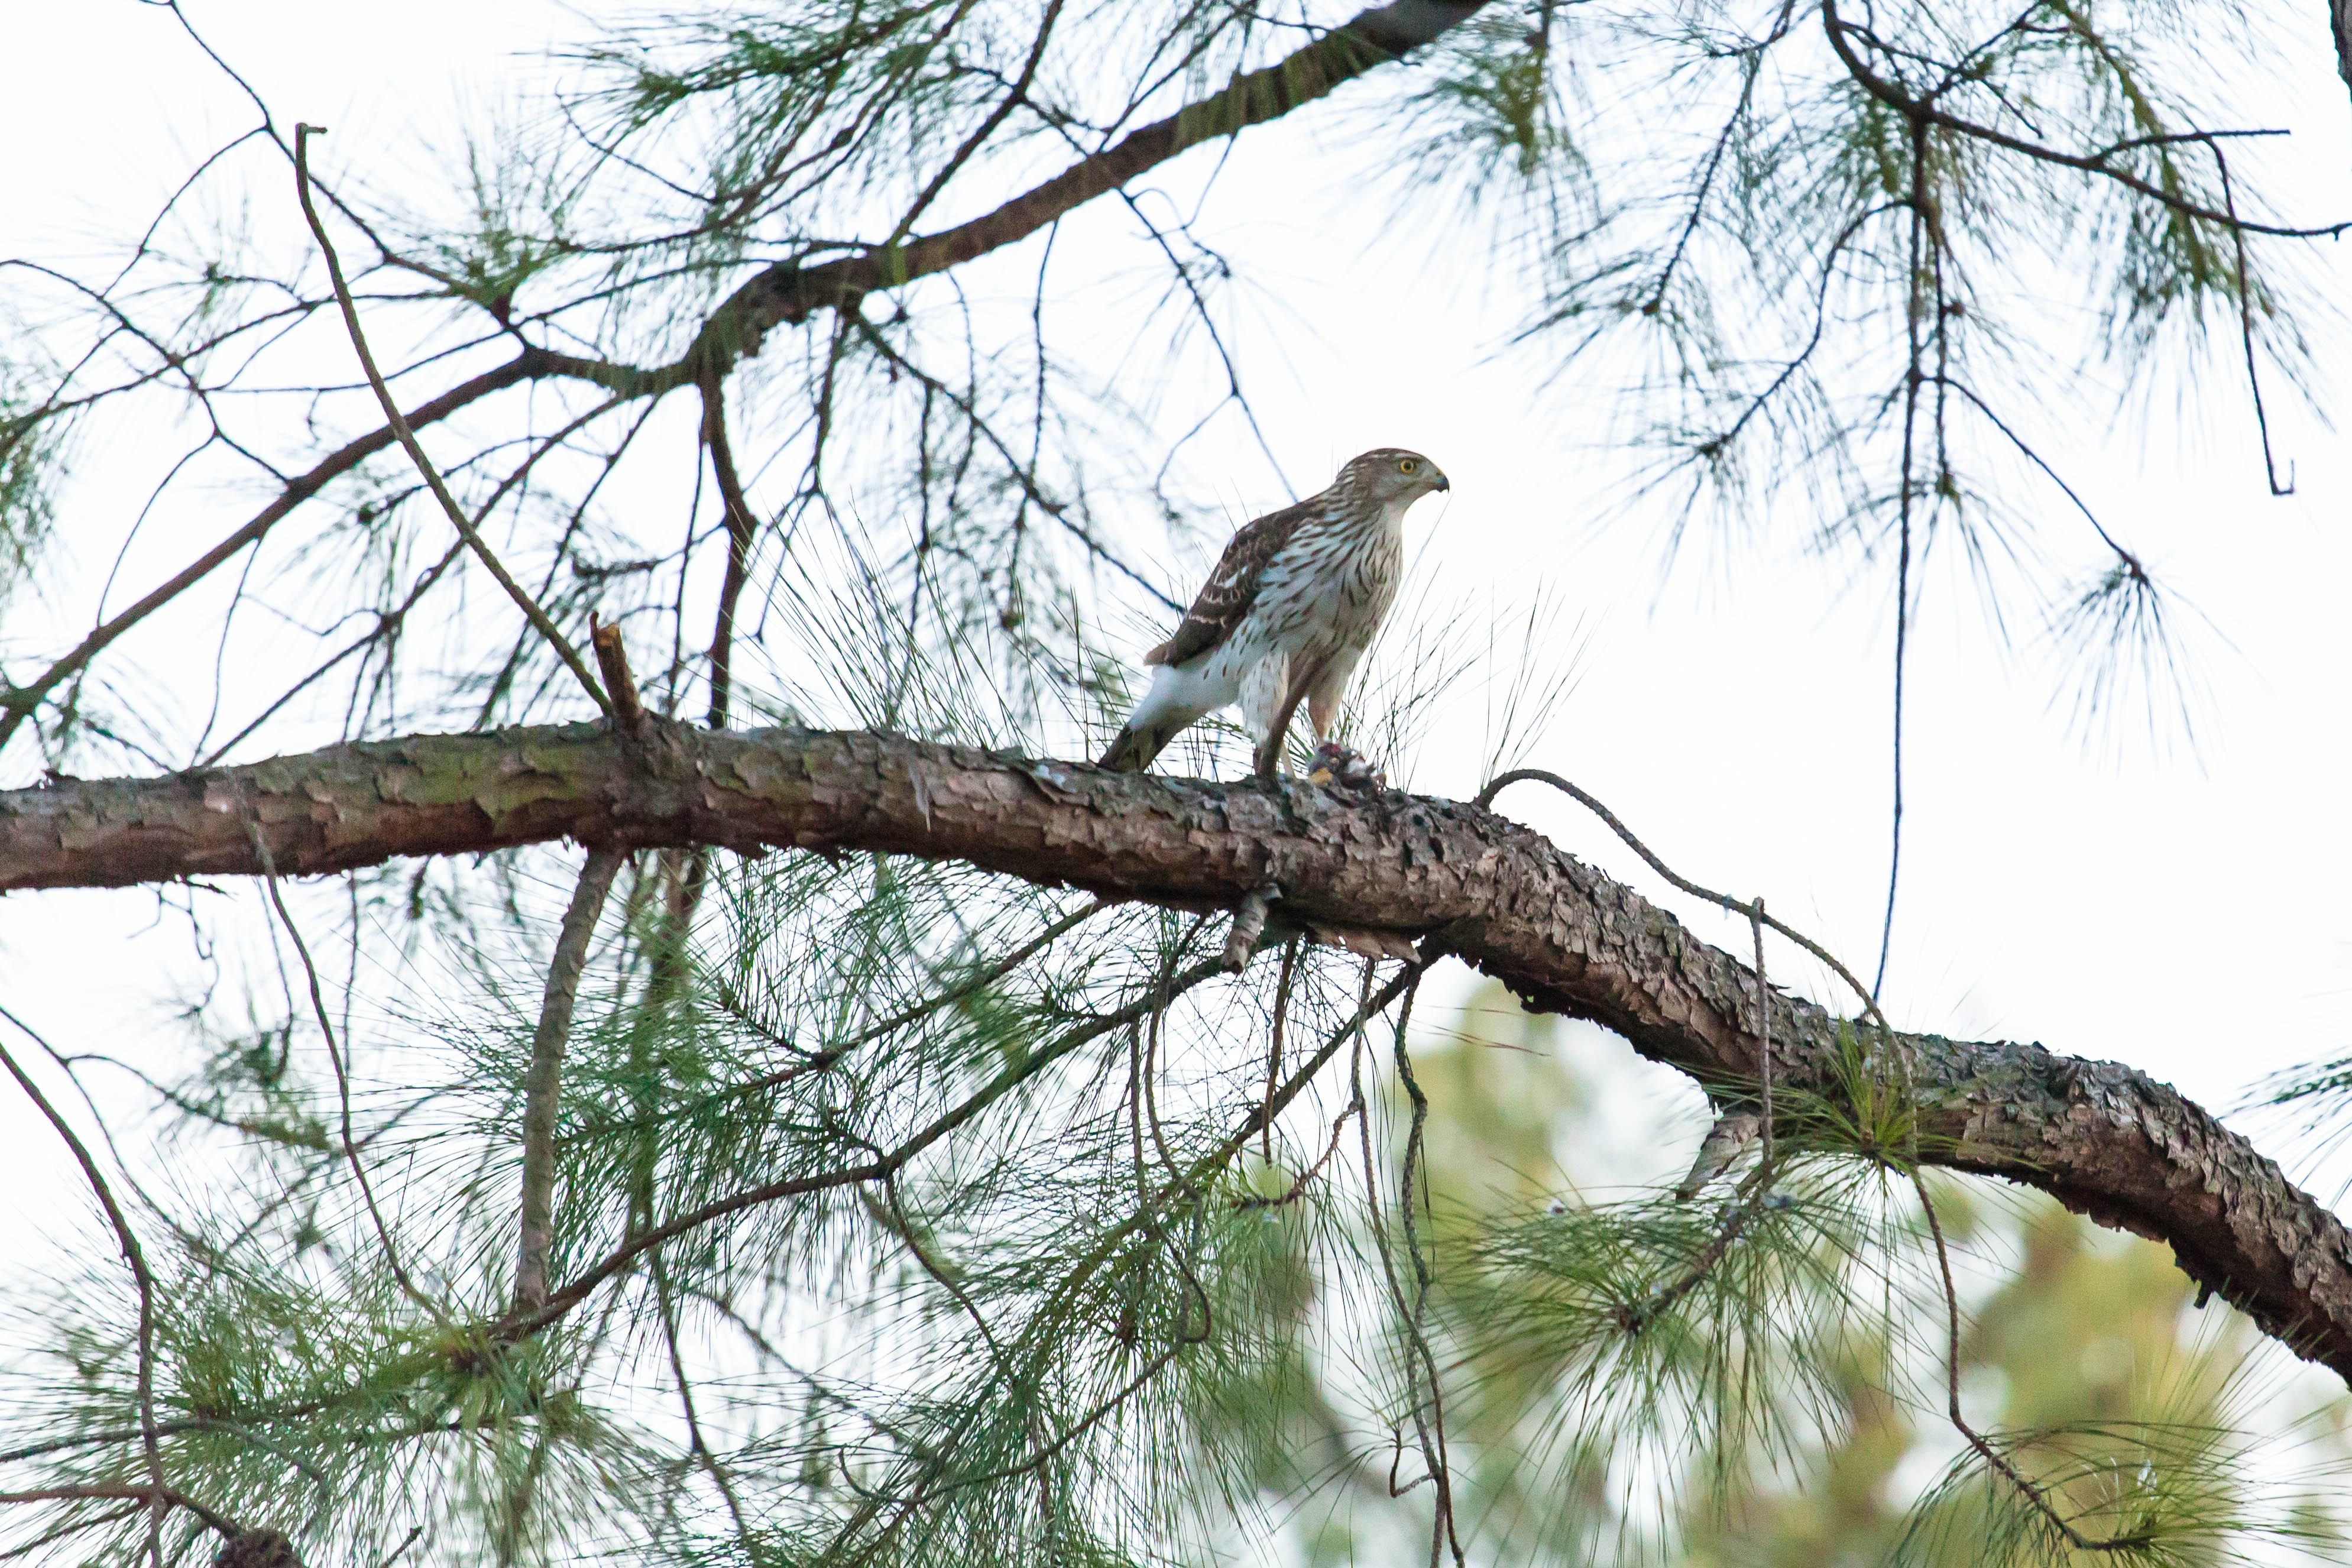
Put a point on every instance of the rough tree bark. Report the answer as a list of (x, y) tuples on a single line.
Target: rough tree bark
[(2102, 1139)]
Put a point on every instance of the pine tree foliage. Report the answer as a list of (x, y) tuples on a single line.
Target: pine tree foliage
[(905, 1214)]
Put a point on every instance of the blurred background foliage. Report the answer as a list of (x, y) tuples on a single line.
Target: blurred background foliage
[(2086, 1336)]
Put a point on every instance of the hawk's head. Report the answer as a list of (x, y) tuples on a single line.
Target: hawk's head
[(1392, 474)]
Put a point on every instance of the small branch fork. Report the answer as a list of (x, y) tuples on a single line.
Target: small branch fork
[(1923, 111)]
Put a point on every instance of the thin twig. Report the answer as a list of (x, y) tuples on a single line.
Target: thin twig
[(1299, 1188), (1985, 1450), (1916, 199), (161, 1497), (1274, 1045), (1752, 65), (2246, 328), (401, 1550), (1484, 799), (1151, 1049), (743, 528), (902, 1225), (1633, 1319), (1016, 95), (1131, 1308), (695, 1440), (1442, 1530), (1021, 476), (1900, 1049), (1373, 1214), (407, 437), (335, 1057)]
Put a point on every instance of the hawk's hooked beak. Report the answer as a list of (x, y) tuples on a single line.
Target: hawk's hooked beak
[(1439, 483)]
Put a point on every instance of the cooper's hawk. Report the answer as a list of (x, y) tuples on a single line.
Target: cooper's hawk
[(1288, 613)]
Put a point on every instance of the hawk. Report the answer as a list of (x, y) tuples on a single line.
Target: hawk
[(1286, 615)]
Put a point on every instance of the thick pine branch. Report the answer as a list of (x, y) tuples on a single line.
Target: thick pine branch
[(2105, 1139)]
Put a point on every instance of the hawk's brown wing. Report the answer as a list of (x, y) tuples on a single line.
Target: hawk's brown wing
[(1233, 587)]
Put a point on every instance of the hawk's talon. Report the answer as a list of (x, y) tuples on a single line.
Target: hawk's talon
[(1339, 767)]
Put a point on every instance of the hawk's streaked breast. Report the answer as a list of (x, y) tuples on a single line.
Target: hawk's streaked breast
[(1289, 610)]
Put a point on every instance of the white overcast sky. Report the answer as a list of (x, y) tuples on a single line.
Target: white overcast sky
[(2118, 902)]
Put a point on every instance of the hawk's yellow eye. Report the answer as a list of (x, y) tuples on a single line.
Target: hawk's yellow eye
[(1408, 464)]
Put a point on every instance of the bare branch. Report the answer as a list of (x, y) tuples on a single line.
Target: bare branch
[(743, 528), (543, 1079)]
